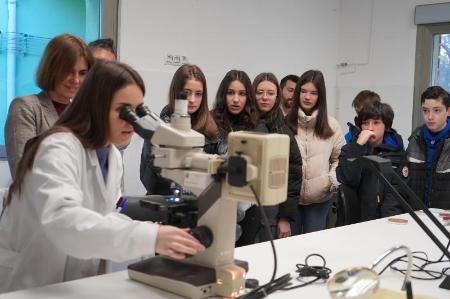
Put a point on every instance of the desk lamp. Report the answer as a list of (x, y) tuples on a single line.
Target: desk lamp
[(363, 282)]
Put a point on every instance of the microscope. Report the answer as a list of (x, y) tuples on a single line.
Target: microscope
[(256, 165)]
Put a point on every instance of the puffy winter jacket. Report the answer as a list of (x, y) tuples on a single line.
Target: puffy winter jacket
[(320, 158), (416, 168), (375, 200)]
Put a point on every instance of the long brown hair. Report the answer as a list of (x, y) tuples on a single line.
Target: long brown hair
[(87, 117), (248, 118), (60, 56), (274, 117), (322, 128), (201, 120)]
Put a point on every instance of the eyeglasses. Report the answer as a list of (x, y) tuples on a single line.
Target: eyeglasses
[(268, 93)]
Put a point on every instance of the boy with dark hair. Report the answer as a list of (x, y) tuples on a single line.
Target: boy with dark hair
[(362, 98), (375, 138), (428, 153)]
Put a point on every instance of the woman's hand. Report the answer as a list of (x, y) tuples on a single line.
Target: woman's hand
[(284, 228), (176, 242)]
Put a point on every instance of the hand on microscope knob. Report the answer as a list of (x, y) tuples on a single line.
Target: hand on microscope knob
[(176, 242), (203, 234)]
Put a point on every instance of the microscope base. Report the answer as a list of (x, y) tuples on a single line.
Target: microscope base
[(189, 280)]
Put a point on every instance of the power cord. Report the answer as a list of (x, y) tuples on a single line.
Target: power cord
[(275, 283), (307, 270), (283, 283), (420, 266), (268, 288), (441, 259)]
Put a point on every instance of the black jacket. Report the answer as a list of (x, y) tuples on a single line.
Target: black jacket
[(375, 200), (288, 209), (151, 175), (252, 224), (439, 188)]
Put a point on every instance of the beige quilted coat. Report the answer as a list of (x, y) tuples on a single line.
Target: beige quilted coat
[(320, 159)]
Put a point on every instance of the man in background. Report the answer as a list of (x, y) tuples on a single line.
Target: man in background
[(103, 49), (287, 86)]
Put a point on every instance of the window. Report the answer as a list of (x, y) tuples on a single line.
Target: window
[(432, 51), (432, 65), (23, 38), (440, 61)]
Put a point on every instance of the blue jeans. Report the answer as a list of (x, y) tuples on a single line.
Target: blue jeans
[(311, 218)]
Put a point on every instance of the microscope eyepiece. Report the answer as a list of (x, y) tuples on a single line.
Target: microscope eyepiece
[(144, 122), (142, 110), (127, 114)]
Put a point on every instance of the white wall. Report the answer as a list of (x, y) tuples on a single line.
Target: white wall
[(283, 37), (375, 38), (5, 176), (384, 62)]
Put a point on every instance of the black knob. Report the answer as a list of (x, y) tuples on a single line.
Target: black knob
[(203, 234)]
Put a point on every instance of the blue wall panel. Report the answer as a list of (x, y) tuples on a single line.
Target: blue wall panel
[(37, 21)]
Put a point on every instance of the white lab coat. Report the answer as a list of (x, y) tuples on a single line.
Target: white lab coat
[(64, 220)]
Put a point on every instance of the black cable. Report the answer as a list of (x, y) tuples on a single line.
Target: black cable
[(268, 232), (417, 267), (282, 283), (268, 288), (275, 283), (443, 255), (306, 270)]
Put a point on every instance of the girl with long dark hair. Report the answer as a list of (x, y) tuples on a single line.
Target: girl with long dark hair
[(235, 108), (320, 139), (59, 218)]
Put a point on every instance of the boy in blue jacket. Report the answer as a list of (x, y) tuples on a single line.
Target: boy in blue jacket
[(375, 138), (428, 155), (362, 98)]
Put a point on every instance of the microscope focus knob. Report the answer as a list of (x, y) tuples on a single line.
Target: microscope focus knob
[(203, 234)]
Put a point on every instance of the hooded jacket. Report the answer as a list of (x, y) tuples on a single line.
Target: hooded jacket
[(375, 200), (352, 132)]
